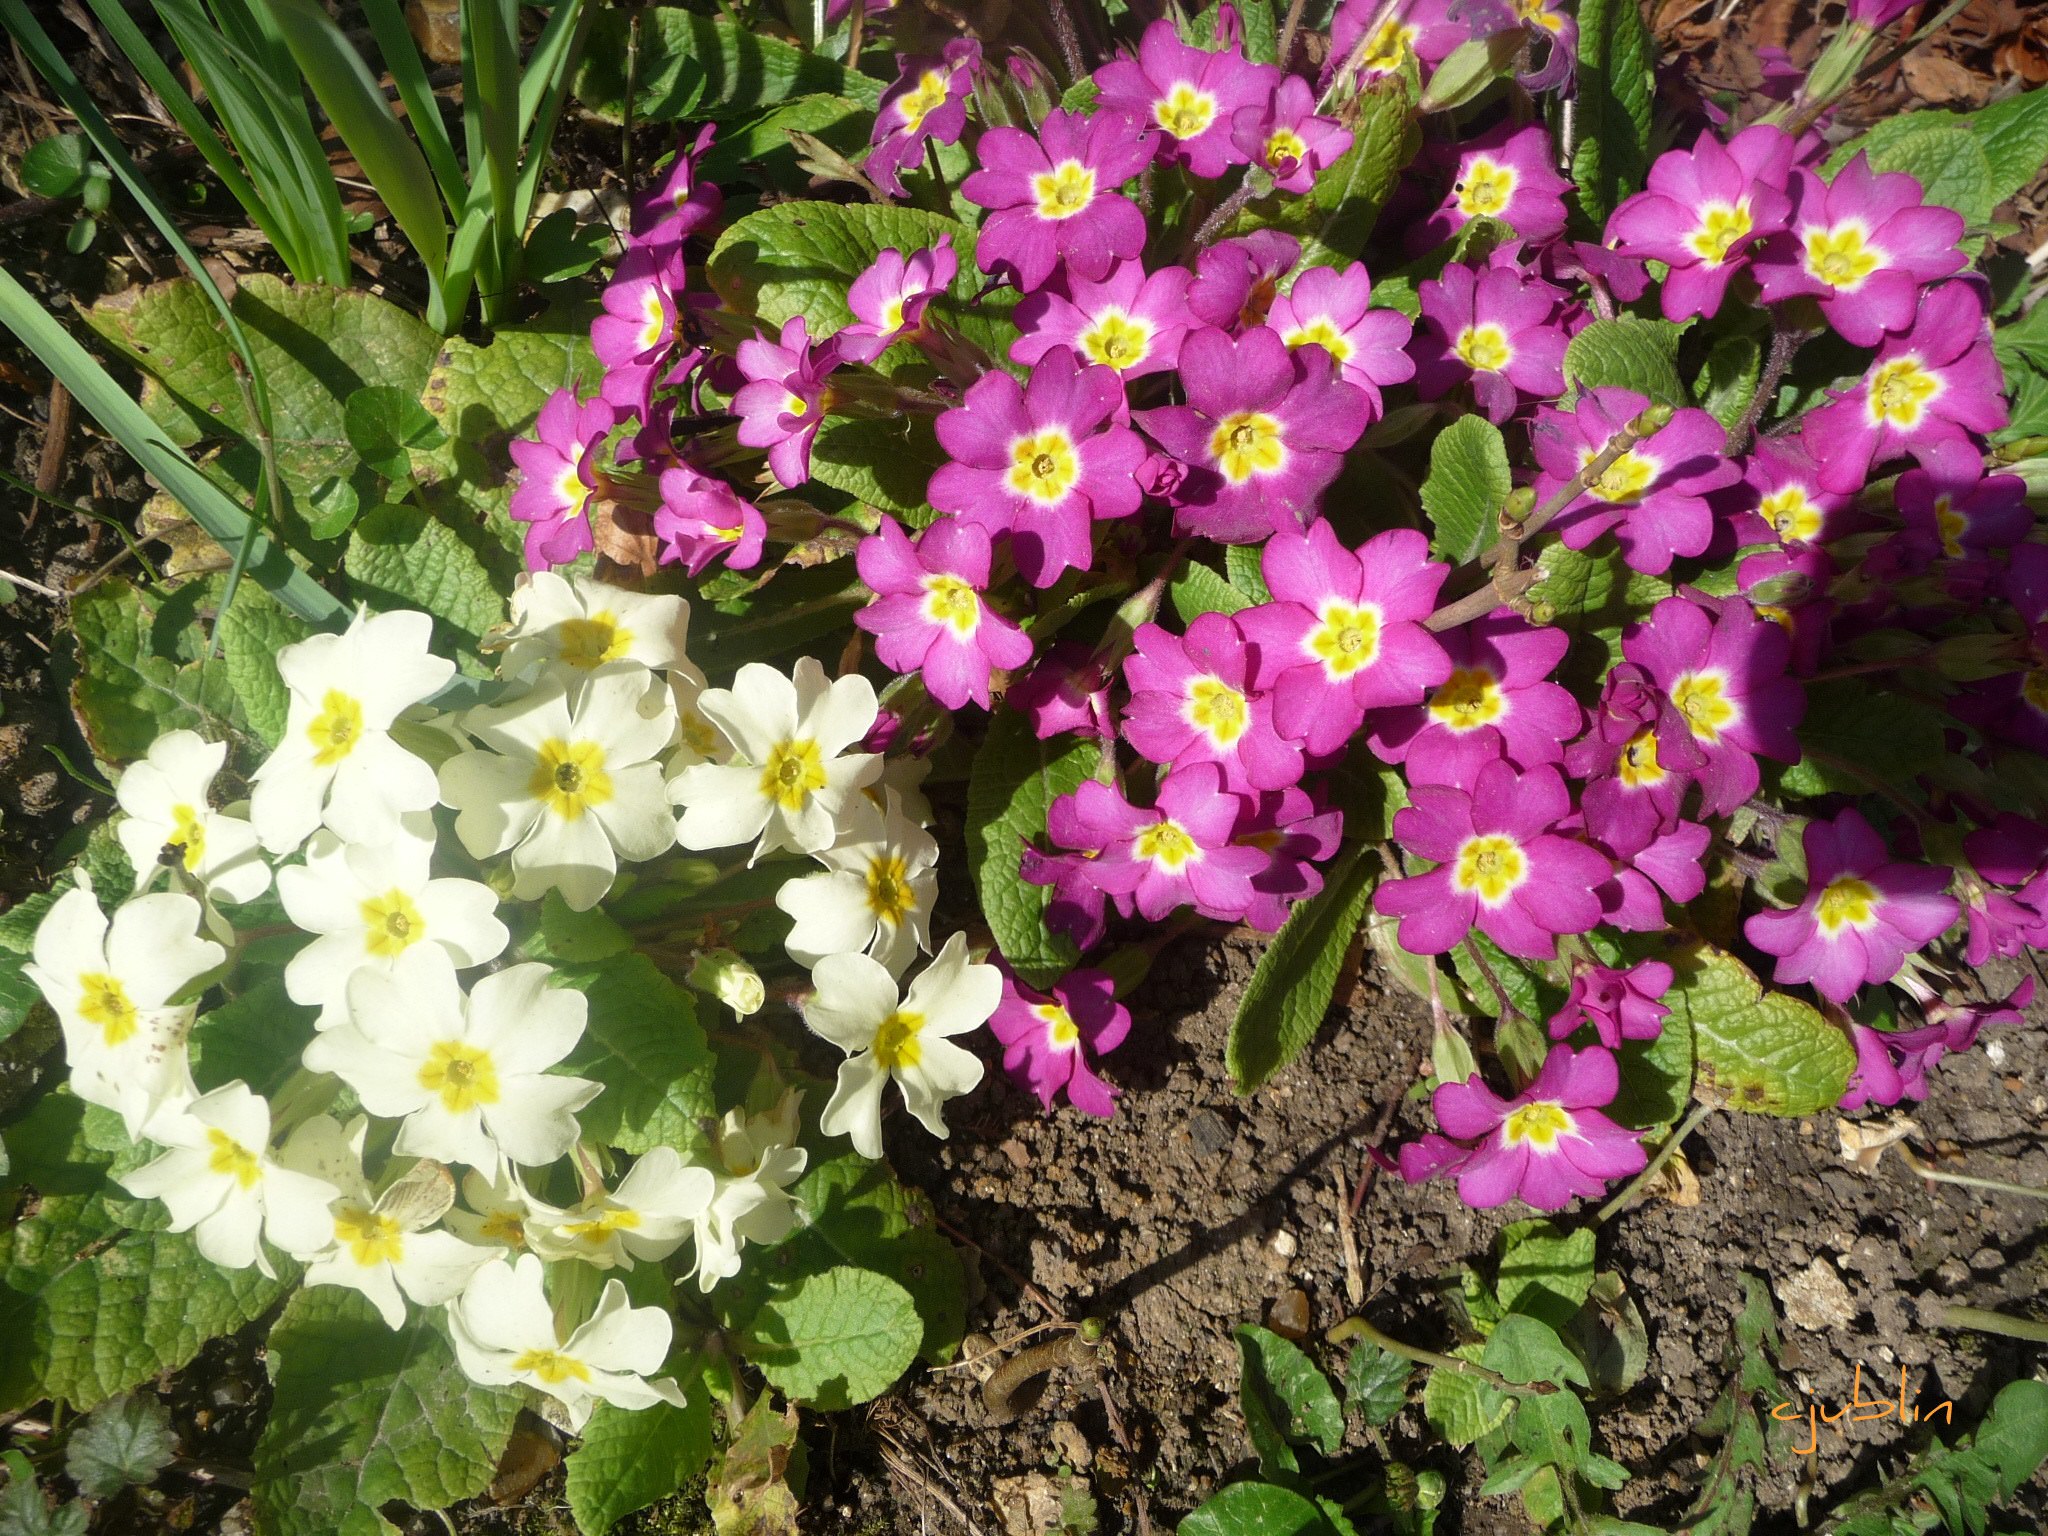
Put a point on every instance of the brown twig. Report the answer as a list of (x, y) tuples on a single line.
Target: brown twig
[(56, 441)]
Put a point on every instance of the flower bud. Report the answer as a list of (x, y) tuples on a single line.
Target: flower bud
[(722, 974)]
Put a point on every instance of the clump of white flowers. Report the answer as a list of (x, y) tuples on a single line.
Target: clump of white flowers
[(438, 1094)]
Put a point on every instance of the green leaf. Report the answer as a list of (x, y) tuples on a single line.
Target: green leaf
[(1467, 486), (643, 1043), (1543, 1271), (2014, 1434), (1526, 1350), (1553, 1428), (1198, 590), (749, 1493), (2014, 137), (1376, 1382), (1014, 780), (692, 67), (1628, 353), (1241, 565), (799, 258), (1850, 747), (362, 1416), (1256, 1509), (1939, 150), (19, 995), (1609, 1335), (132, 683), (92, 1308), (1338, 214), (123, 1443), (1464, 1407), (1766, 1052), (400, 557), (1613, 95), (24, 1511), (1656, 1076), (1593, 594), (1285, 1398), (385, 424), (759, 149), (485, 394), (256, 1037), (629, 1458), (55, 167), (315, 345), (577, 938), (835, 1339), (1727, 381), (886, 464), (253, 630), (1284, 1003)]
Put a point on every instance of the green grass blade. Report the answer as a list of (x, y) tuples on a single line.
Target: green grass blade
[(544, 92), (345, 89), (422, 110), (211, 507), (490, 72)]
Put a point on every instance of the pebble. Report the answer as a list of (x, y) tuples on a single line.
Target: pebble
[(1284, 1245), (1287, 1315), (1987, 1261), (1208, 1132), (1815, 1298)]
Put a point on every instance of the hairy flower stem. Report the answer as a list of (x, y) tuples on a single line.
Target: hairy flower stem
[(1356, 1327), (2027, 1328), (1784, 343), (1927, 1170), (1288, 28), (1007, 1394), (1517, 528), (1655, 1165), (1226, 210)]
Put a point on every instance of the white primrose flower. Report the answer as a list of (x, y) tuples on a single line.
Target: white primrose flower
[(903, 778), (504, 1332), (646, 1217), (788, 784), (379, 1243), (857, 1009), (169, 823), (219, 1182), (337, 762), (758, 1161), (371, 903), (582, 624), (567, 787), (468, 1076), (875, 892), (111, 986), (498, 1210), (697, 739)]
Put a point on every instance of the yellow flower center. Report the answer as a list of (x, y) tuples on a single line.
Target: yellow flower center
[(889, 892), (1792, 515), (391, 924), (569, 777), (1846, 903), (104, 1001), (1721, 225), (1320, 332), (795, 771), (1840, 257), (1216, 709), (892, 314), (1117, 340), (698, 734), (1184, 111), (1490, 866), (920, 103), (1065, 190), (506, 1227), (1043, 466), (1347, 640), (1702, 697), (1539, 1124), (591, 642), (551, 1366), (897, 1048), (1390, 44), (228, 1156), (1061, 1032), (653, 322), (1165, 844), (1486, 188), (1899, 392), (1283, 145), (1247, 443), (599, 1227), (1483, 348), (1469, 698), (336, 729), (1952, 526), (795, 405), (1532, 10), (1623, 480), (572, 492), (464, 1076), (1638, 765), (2035, 690), (951, 602), (371, 1239), (187, 842)]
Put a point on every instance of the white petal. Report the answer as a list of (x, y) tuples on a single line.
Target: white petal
[(841, 715), (620, 1336), (534, 1120), (943, 1071), (492, 799), (437, 1265), (571, 856), (855, 1108), (723, 806), (461, 916), (155, 948), (759, 710), (854, 995), (832, 915), (523, 1022)]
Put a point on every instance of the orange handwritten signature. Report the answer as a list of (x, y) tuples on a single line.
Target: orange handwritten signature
[(1816, 1414)]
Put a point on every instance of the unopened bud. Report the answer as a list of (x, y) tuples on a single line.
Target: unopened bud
[(1399, 1482), (1655, 419), (1429, 1489), (1520, 503), (724, 975), (1450, 1057), (2021, 448), (1974, 658)]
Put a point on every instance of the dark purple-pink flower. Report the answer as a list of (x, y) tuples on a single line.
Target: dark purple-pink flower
[(927, 102), (929, 615), (635, 335), (1332, 309), (1343, 633), (1637, 762), (1236, 281), (1619, 1004), (702, 519), (782, 404), (1547, 1146), (1054, 198), (1499, 680), (1041, 461), (1287, 138), (558, 473), (1049, 1039), (1177, 854), (1495, 328), (1782, 483), (1067, 689), (1705, 212), (680, 203), (1189, 94), (888, 299), (1506, 173), (1131, 321), (1263, 433), (1285, 825), (1193, 700), (1862, 915)]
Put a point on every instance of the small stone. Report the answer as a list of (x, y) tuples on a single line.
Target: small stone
[(1071, 1445), (1208, 1132), (1815, 1298), (1987, 1261), (1018, 1154), (1287, 1314), (1284, 1245)]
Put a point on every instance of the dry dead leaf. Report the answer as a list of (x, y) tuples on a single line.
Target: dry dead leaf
[(1863, 1141)]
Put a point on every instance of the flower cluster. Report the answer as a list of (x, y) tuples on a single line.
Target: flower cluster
[(410, 849)]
